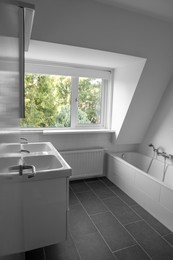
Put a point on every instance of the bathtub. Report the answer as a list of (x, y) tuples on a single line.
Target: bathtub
[(142, 180)]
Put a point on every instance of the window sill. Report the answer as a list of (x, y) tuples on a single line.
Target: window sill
[(77, 131), (54, 131)]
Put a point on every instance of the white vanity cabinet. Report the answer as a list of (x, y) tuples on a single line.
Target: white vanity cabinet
[(33, 214), (33, 207), (45, 209)]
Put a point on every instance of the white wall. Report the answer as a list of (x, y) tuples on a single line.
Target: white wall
[(71, 141), (94, 25), (125, 82), (160, 132), (99, 26)]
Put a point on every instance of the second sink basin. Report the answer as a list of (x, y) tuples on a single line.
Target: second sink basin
[(31, 147), (43, 162), (9, 148), (6, 163), (36, 147)]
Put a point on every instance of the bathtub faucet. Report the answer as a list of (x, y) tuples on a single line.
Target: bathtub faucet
[(170, 156), (165, 155), (123, 155), (154, 149)]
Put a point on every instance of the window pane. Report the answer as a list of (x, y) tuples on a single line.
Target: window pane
[(47, 101), (89, 100)]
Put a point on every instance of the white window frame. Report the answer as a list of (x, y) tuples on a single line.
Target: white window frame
[(54, 68)]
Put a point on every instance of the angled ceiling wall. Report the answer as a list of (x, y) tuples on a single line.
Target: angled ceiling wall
[(94, 25)]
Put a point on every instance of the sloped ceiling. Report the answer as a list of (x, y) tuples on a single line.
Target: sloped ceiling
[(161, 9), (127, 71)]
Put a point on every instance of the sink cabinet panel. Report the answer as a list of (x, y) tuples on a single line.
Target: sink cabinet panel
[(11, 219), (33, 214), (33, 211), (45, 212)]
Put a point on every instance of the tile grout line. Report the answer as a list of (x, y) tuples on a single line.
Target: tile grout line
[(44, 254), (124, 248), (75, 197), (137, 243), (123, 226), (109, 187), (96, 227), (162, 236), (131, 207), (167, 241), (74, 205), (75, 245), (80, 191), (171, 233)]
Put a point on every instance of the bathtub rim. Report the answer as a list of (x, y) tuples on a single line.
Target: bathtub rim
[(113, 155)]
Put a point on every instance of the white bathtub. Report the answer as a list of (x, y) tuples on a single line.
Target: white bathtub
[(148, 189)]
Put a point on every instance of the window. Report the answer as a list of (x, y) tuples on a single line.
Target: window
[(70, 99)]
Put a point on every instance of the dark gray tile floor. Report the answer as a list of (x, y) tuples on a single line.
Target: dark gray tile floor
[(105, 224)]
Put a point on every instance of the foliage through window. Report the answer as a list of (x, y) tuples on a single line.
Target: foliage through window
[(63, 101)]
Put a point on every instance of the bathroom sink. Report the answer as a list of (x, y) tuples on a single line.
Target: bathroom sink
[(45, 166), (9, 148), (6, 163), (44, 162), (31, 147), (34, 190), (36, 147), (38, 160)]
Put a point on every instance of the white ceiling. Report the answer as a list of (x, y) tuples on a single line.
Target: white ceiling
[(162, 9)]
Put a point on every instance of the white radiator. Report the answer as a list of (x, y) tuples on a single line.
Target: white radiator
[(85, 163)]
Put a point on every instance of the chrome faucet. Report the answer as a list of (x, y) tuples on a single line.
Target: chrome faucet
[(165, 155), (170, 156), (23, 140), (22, 166), (19, 168), (154, 149), (123, 155), (24, 151)]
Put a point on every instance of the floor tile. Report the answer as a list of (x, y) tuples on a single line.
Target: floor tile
[(92, 247), (91, 203), (159, 227), (121, 211), (106, 181), (169, 238), (37, 254), (127, 199), (113, 232), (91, 180), (79, 222), (110, 240), (19, 256), (73, 200), (132, 253), (78, 186), (151, 241), (101, 190), (62, 251)]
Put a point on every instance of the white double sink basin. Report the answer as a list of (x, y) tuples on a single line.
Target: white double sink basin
[(42, 156), (33, 210)]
